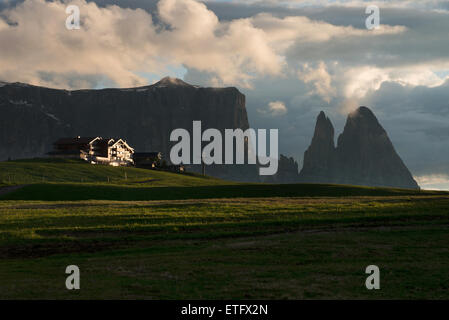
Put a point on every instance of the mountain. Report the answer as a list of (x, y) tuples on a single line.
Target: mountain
[(33, 117), (364, 154), (319, 158)]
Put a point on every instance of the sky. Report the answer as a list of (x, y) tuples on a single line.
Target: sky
[(291, 58)]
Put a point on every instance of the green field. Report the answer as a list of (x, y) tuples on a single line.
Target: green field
[(59, 171), (193, 237)]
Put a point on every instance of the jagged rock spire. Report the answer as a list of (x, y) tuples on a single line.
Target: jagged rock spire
[(364, 154), (319, 157)]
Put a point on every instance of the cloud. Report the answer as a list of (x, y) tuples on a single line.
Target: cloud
[(122, 43), (275, 108), (283, 32), (321, 80), (108, 44), (433, 182), (422, 4)]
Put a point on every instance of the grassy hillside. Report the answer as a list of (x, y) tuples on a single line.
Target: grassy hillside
[(31, 171), (71, 180)]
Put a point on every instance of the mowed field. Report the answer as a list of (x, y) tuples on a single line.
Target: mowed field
[(175, 236)]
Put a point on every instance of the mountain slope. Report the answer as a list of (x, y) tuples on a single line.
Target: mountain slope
[(33, 171)]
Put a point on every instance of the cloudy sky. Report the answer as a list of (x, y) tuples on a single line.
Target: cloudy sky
[(291, 58)]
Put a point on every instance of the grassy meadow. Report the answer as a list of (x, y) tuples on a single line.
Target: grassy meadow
[(62, 171), (159, 235)]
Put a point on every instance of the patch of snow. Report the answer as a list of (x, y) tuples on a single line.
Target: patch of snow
[(52, 116), (20, 102), (48, 114)]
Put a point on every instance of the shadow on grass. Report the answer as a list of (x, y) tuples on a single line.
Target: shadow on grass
[(74, 192)]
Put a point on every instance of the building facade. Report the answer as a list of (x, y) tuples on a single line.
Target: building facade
[(96, 150)]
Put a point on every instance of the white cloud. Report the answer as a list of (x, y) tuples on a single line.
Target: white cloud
[(121, 44), (433, 181), (275, 108), (283, 32), (109, 43), (357, 83), (321, 80)]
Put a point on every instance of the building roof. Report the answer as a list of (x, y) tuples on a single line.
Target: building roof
[(122, 141)]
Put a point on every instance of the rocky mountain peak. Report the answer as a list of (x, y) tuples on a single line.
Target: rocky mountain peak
[(363, 119), (362, 112), (364, 154), (171, 82), (319, 157), (324, 130)]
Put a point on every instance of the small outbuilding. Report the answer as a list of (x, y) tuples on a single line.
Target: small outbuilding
[(147, 159)]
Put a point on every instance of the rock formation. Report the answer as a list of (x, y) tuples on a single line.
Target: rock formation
[(364, 155), (319, 158), (287, 171)]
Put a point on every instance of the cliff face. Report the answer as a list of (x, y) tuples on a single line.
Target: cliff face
[(32, 118), (364, 155)]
